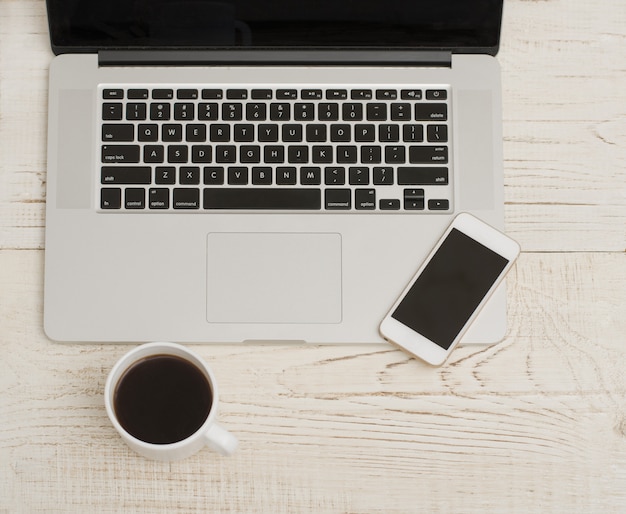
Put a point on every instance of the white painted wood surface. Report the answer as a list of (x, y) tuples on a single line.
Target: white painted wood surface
[(534, 424)]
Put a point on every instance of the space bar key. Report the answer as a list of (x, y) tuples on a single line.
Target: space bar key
[(263, 198)]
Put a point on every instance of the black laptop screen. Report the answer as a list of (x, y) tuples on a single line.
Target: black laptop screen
[(459, 25)]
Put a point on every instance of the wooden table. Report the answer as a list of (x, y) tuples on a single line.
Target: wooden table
[(534, 424)]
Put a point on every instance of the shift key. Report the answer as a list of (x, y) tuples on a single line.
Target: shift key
[(126, 175), (120, 153)]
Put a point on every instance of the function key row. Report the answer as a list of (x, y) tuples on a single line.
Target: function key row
[(270, 94)]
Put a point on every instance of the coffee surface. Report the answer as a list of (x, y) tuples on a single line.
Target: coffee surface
[(162, 399)]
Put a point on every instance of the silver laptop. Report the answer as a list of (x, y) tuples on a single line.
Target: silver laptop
[(248, 171)]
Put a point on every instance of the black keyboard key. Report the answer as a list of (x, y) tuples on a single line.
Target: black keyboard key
[(376, 112), (292, 133), (111, 198), (250, 154), (148, 132), (414, 199), (338, 199), (138, 94), (136, 111), (110, 94), (436, 94), (310, 176), (195, 133), (411, 94), (212, 94), (135, 198), (428, 154), (347, 154), (262, 198), (322, 154), (412, 133), (225, 153), (256, 112), (352, 112), (391, 204), (261, 175), (365, 199), (261, 94), (383, 175), (316, 133), (213, 175), (337, 94), (189, 175), (126, 175), (438, 205), (359, 176), (232, 111), (304, 112), (389, 133), (159, 198), (400, 112), (162, 94), (243, 132), (287, 94), (386, 94), (177, 153), (184, 111), (237, 94), (298, 154), (280, 112), (431, 112), (201, 153), (237, 176), (361, 94), (186, 198), (311, 94), (437, 133), (334, 176), (208, 111), (371, 154), (172, 132), (153, 154), (422, 176), (165, 175), (120, 153), (364, 133), (286, 176), (395, 154), (187, 94), (160, 111), (268, 133), (219, 133), (273, 154), (112, 111), (340, 133), (328, 112), (118, 132)]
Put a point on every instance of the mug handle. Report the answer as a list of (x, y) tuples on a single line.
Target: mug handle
[(220, 440)]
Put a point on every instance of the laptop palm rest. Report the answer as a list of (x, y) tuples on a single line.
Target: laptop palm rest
[(274, 278)]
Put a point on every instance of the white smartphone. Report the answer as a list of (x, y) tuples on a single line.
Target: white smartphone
[(449, 289)]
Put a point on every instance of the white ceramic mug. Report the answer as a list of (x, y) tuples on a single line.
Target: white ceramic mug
[(209, 434)]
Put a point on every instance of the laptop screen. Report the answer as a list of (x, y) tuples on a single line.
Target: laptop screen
[(457, 25)]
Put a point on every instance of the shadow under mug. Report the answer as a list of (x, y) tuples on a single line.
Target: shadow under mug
[(209, 434)]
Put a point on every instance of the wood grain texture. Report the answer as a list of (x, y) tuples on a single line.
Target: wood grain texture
[(536, 423)]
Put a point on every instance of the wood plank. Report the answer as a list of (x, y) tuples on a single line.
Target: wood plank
[(539, 419)]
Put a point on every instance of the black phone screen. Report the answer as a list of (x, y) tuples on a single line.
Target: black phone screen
[(450, 288)]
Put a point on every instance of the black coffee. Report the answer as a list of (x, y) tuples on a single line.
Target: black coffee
[(162, 399)]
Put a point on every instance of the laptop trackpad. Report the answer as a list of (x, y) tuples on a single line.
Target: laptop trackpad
[(273, 278)]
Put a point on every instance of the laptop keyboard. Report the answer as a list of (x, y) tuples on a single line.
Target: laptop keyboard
[(336, 149)]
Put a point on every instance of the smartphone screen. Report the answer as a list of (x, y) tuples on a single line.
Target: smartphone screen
[(450, 288)]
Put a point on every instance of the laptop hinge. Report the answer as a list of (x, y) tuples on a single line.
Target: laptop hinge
[(236, 57)]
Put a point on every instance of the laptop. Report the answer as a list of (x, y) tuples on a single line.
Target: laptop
[(245, 171)]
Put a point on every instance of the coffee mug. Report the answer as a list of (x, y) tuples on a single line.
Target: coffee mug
[(162, 399)]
